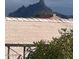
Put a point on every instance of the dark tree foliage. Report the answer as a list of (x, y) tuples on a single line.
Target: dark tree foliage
[(58, 48)]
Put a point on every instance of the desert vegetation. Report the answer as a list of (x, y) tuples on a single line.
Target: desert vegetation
[(58, 48)]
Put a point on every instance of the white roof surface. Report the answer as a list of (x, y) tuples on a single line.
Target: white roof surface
[(29, 30)]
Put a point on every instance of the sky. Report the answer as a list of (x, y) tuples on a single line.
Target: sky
[(62, 6)]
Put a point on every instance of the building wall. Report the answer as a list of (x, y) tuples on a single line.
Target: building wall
[(29, 30)]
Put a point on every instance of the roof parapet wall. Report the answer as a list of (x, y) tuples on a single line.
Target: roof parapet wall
[(60, 20)]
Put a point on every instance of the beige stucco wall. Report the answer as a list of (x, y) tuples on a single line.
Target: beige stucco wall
[(19, 31)]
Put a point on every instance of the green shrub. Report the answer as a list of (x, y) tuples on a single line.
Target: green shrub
[(58, 48)]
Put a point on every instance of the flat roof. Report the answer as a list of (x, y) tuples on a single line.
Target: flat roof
[(29, 30)]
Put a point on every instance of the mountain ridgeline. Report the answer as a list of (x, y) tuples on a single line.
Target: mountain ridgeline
[(38, 10)]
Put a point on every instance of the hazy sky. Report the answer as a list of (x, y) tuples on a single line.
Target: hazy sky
[(62, 6)]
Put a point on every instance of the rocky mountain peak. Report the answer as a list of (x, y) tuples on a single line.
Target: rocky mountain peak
[(36, 10), (42, 2)]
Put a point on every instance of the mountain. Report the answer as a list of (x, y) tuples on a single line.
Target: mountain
[(36, 10), (63, 16)]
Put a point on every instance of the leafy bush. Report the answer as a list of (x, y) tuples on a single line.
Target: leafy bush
[(58, 48)]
